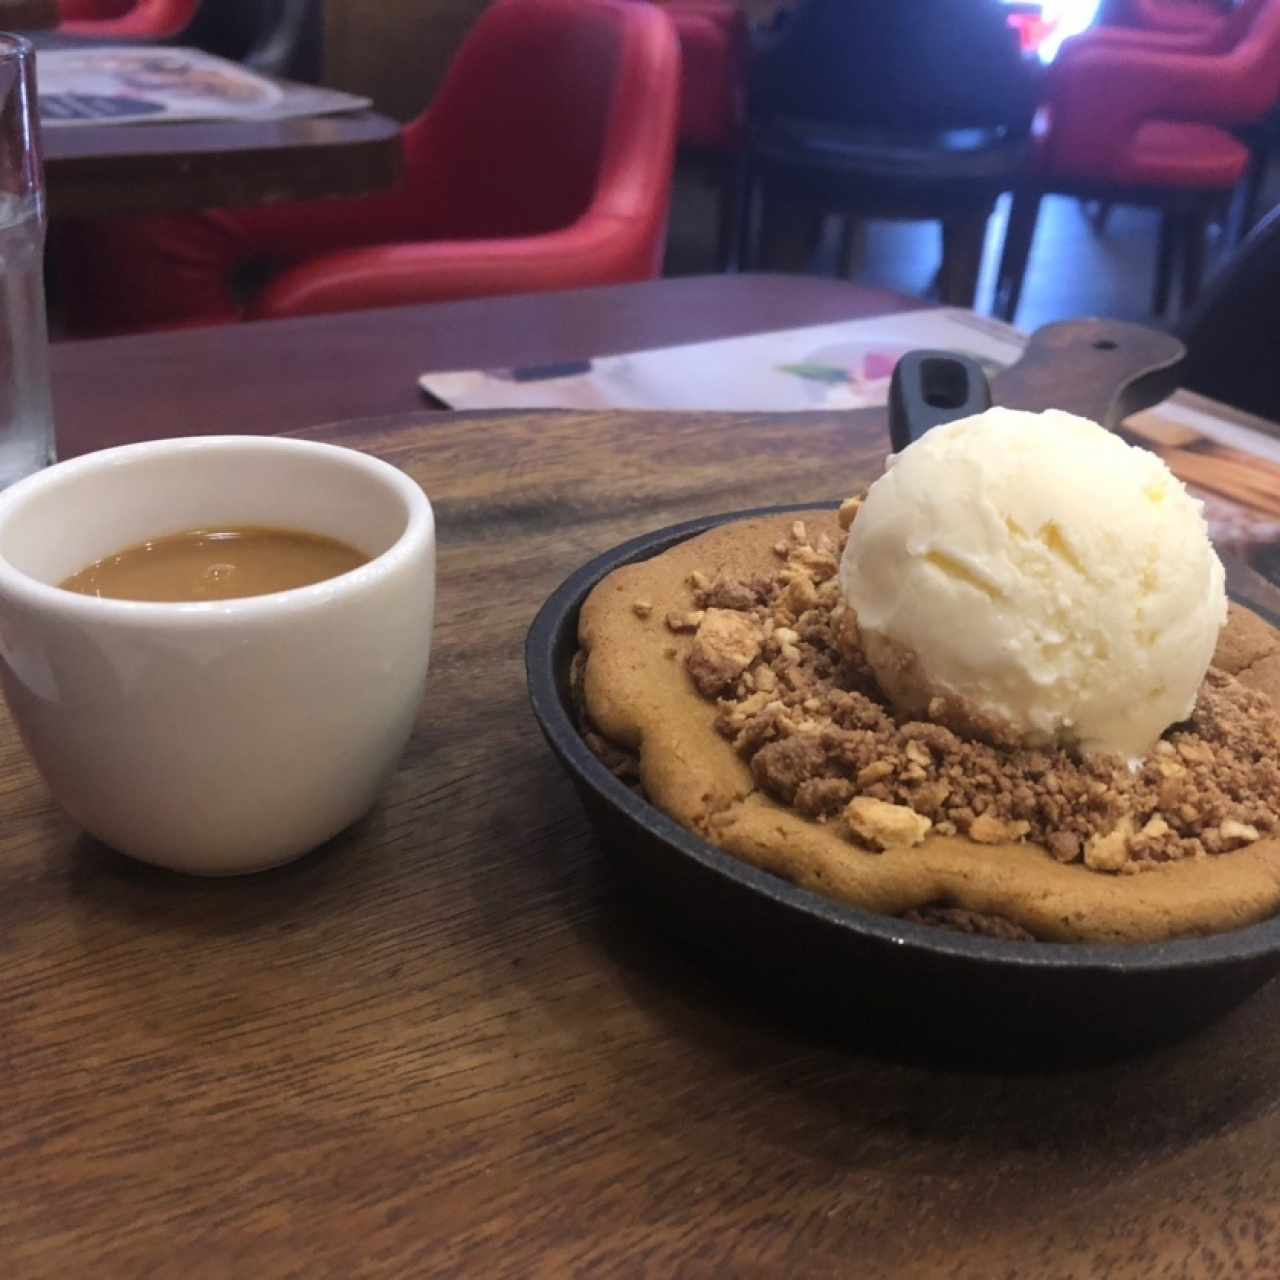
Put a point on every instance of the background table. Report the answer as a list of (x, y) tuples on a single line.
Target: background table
[(28, 15), (449, 1043), (93, 170), (284, 374)]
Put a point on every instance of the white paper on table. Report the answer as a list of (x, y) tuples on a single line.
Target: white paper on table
[(126, 84), (846, 365)]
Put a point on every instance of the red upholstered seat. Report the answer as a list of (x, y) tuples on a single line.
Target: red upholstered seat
[(156, 19), (1162, 153), (544, 163), (1100, 97), (1124, 122), (1165, 153), (1175, 16), (70, 10), (1204, 32), (714, 49)]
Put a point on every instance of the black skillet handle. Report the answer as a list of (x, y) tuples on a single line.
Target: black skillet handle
[(1099, 369), (930, 388)]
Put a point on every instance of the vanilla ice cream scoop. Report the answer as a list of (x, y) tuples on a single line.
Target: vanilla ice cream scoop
[(1048, 580)]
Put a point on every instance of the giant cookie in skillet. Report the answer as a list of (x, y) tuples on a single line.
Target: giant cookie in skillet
[(640, 696)]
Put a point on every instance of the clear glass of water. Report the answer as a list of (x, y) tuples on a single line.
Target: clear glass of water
[(26, 407)]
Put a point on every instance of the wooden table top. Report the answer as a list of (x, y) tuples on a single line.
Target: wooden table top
[(448, 1044), (93, 170), (280, 375), (28, 15)]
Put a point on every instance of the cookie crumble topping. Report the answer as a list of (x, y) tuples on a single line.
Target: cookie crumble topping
[(782, 657)]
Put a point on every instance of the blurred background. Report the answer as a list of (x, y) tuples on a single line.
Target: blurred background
[(1033, 159), (1086, 259)]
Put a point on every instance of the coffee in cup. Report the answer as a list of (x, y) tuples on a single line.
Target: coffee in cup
[(216, 736)]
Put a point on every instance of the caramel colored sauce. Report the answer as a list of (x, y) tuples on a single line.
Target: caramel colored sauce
[(216, 564)]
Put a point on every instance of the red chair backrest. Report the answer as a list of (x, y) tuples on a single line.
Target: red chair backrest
[(142, 18), (551, 108), (1099, 95), (1171, 15), (1253, 63), (94, 10), (1235, 26)]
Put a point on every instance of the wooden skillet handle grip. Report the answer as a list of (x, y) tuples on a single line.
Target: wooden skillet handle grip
[(1099, 369)]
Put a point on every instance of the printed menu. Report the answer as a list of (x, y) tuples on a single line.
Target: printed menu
[(127, 85)]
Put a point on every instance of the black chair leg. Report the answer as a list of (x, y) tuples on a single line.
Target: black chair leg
[(1099, 214), (1255, 175), (1166, 260), (963, 236), (1018, 236), (790, 228), (731, 206), (746, 248), (1195, 228), (853, 244)]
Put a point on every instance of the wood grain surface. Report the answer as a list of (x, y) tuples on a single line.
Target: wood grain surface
[(448, 1044), (97, 170)]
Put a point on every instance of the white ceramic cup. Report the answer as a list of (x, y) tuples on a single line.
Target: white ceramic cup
[(226, 736)]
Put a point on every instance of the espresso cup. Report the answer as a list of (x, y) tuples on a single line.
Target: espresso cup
[(216, 737)]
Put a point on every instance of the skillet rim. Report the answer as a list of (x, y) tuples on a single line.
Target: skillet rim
[(546, 680)]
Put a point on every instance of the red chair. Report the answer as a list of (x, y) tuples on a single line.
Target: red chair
[(72, 10), (1128, 125), (126, 19), (1222, 33), (544, 163), (1181, 17), (715, 50), (1218, 37)]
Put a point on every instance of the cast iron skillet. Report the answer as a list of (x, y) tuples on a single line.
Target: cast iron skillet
[(840, 961)]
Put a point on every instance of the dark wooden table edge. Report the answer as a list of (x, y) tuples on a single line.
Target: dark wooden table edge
[(209, 167)]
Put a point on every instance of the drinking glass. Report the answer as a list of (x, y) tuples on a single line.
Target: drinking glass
[(26, 408)]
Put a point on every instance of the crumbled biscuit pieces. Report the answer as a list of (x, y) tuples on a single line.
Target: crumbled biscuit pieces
[(885, 826), (727, 593), (724, 646), (848, 512), (797, 699), (1110, 852), (817, 562), (1237, 833), (986, 829), (689, 620)]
